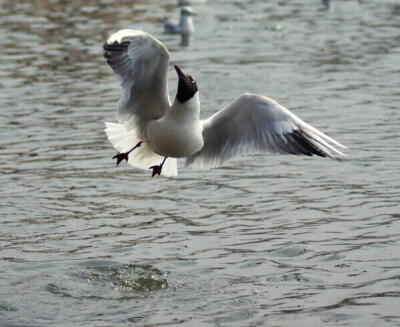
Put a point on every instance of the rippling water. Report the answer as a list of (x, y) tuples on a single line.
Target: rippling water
[(263, 240)]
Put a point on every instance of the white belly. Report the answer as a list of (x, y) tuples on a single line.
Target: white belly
[(171, 139)]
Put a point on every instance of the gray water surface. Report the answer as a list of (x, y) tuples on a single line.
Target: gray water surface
[(262, 241)]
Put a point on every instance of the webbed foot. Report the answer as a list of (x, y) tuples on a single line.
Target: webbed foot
[(124, 155), (120, 157), (156, 170)]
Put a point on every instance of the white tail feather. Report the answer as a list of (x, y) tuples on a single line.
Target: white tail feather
[(142, 157)]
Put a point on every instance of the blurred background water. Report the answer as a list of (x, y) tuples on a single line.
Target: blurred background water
[(263, 240)]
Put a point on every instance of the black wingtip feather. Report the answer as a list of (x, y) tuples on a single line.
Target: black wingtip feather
[(309, 148), (114, 48)]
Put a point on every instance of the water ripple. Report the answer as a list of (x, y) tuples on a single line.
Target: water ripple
[(263, 240)]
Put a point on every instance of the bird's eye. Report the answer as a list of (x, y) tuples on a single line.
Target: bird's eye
[(191, 79)]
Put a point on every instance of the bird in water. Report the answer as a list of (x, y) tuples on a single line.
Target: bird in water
[(185, 25), (152, 132), (329, 3)]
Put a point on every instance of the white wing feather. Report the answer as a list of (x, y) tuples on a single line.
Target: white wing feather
[(253, 124), (142, 63)]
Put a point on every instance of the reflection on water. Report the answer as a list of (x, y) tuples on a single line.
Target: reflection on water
[(263, 240)]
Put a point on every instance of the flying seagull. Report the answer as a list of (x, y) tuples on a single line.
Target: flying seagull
[(152, 132)]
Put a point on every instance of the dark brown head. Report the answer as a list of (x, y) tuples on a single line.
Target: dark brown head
[(187, 86)]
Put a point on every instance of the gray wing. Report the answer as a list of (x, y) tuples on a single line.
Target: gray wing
[(253, 124), (142, 63)]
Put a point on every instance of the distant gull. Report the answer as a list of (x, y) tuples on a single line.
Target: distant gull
[(152, 132), (328, 3), (184, 26)]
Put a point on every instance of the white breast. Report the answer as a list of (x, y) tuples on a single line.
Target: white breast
[(179, 133)]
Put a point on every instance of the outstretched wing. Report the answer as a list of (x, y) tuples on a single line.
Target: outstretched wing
[(253, 124), (142, 63)]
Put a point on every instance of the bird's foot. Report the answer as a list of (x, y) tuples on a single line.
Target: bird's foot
[(156, 170), (121, 156), (124, 155)]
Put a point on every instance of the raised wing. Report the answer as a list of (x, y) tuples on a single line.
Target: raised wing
[(142, 63), (253, 124)]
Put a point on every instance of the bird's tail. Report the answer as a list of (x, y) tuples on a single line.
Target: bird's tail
[(142, 157)]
